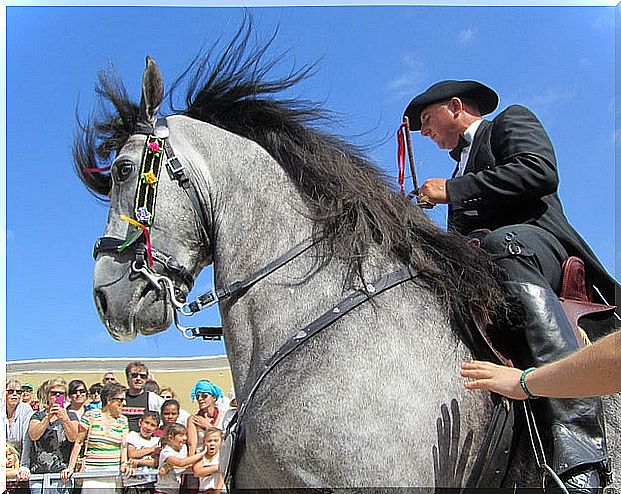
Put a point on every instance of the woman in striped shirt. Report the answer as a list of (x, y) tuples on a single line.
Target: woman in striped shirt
[(105, 431)]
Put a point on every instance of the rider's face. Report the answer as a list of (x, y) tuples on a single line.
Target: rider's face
[(439, 124)]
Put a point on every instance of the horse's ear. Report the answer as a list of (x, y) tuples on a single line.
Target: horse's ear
[(152, 92)]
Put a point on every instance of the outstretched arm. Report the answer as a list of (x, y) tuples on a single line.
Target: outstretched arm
[(594, 370)]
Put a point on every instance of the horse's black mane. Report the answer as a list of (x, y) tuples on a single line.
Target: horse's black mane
[(351, 202)]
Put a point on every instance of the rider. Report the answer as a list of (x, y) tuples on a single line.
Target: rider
[(506, 181)]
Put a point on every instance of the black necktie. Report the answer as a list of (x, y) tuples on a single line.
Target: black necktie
[(455, 153)]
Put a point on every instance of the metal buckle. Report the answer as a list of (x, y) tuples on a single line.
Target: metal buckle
[(174, 166), (206, 300), (514, 249), (190, 333)]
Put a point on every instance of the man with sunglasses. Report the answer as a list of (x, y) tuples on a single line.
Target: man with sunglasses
[(108, 378), (137, 399)]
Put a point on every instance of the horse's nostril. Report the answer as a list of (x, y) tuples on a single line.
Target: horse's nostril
[(101, 302)]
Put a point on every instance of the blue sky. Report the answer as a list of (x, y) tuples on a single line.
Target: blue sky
[(559, 61)]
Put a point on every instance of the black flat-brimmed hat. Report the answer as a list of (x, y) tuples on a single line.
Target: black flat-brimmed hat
[(486, 98)]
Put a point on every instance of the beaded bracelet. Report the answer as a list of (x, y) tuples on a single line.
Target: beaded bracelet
[(523, 383)]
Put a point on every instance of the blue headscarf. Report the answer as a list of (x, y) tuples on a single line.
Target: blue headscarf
[(205, 386)]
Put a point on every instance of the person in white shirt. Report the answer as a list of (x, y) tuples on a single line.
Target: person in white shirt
[(208, 471), (174, 460), (143, 452)]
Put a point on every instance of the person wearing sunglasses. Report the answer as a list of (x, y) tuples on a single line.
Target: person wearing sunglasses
[(78, 396), (52, 431), (16, 418), (210, 414), (28, 396), (138, 400), (104, 431), (95, 393), (108, 378)]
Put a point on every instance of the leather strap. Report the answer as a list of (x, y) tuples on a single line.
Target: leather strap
[(345, 306), (237, 287), (176, 171), (492, 460), (112, 244)]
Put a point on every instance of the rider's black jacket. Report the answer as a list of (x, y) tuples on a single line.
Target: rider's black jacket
[(510, 178)]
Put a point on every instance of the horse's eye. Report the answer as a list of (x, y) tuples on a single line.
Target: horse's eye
[(123, 170)]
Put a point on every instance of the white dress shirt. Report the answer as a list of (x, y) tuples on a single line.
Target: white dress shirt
[(465, 153)]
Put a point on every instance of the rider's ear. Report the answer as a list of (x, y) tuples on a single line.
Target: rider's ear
[(455, 104), (152, 92)]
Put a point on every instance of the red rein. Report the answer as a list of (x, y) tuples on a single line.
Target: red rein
[(401, 155)]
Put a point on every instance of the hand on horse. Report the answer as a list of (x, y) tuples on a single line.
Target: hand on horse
[(495, 378), (433, 191)]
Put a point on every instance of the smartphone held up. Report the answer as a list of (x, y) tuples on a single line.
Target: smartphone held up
[(60, 400)]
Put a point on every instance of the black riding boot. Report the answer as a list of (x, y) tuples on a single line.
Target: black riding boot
[(575, 427)]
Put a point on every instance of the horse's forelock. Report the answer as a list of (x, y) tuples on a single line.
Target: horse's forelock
[(101, 137)]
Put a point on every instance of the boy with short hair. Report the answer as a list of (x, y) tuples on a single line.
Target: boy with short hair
[(208, 471), (95, 393), (143, 451)]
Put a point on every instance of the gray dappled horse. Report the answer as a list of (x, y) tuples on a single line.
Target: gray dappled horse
[(363, 402)]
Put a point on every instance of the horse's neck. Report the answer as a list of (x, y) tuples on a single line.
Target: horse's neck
[(258, 216)]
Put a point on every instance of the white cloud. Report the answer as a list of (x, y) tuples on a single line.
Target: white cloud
[(550, 96), (413, 73), (466, 35)]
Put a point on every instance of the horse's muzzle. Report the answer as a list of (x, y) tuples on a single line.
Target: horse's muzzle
[(127, 304)]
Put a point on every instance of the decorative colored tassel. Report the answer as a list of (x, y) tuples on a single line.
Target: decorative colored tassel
[(143, 230)]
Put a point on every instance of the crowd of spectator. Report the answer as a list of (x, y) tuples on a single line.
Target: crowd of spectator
[(133, 439)]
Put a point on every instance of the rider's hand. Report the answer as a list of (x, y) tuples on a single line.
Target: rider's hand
[(433, 191)]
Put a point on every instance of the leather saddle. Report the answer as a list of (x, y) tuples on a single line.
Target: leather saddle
[(576, 297)]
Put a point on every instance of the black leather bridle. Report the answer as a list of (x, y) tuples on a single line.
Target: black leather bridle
[(144, 213)]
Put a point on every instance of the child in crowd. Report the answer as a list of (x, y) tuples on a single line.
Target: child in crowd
[(95, 393), (11, 467), (170, 414), (174, 460), (208, 471), (143, 450), (12, 462)]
